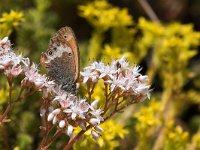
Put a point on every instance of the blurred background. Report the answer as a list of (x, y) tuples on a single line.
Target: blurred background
[(162, 36)]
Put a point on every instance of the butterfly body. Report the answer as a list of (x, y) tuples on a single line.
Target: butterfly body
[(62, 59)]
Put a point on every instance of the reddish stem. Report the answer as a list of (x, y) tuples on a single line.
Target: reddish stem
[(75, 138)]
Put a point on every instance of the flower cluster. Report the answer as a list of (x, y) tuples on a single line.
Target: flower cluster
[(68, 112), (14, 65), (120, 77)]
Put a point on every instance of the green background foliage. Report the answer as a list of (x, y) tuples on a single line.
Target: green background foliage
[(168, 51)]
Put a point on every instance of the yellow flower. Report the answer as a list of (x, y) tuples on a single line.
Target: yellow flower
[(9, 21), (103, 15)]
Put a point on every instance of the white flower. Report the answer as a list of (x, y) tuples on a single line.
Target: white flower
[(16, 60), (89, 75), (121, 64), (142, 89), (78, 108), (135, 70), (5, 60), (13, 72), (33, 77), (96, 113), (62, 124), (116, 82), (26, 62), (107, 71), (95, 66), (61, 96)]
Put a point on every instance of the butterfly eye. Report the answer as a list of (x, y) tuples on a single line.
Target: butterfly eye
[(65, 36), (50, 53), (70, 54)]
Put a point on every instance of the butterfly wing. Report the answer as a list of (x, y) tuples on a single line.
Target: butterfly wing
[(62, 59)]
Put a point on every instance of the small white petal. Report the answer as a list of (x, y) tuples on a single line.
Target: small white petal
[(4, 40), (98, 128), (50, 117), (94, 103), (143, 79), (56, 111), (62, 123), (95, 135), (85, 79), (70, 130)]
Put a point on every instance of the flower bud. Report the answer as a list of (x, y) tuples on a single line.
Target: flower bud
[(70, 130), (50, 109), (55, 119), (56, 111), (98, 128), (94, 121), (62, 123), (2, 67), (82, 125), (42, 112), (95, 135), (38, 83), (50, 117)]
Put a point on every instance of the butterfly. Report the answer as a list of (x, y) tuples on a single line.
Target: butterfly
[(62, 59)]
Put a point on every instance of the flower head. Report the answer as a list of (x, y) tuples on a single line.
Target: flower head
[(78, 108)]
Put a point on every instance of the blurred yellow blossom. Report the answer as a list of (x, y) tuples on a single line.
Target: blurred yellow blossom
[(9, 21), (4, 94), (175, 137), (103, 15), (113, 131)]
